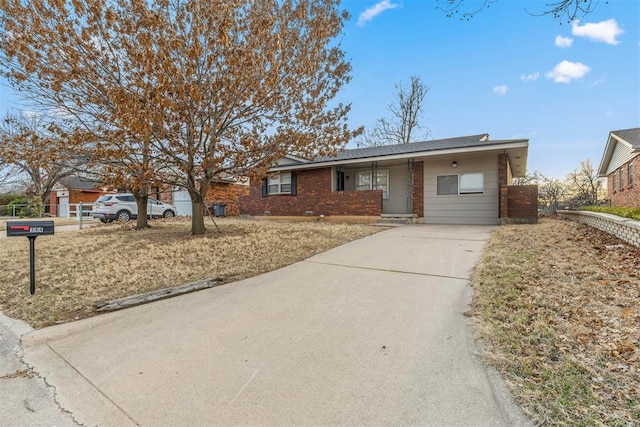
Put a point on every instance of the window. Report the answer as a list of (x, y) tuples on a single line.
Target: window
[(630, 174), (370, 180), (472, 183), (613, 181), (447, 185), (621, 174), (280, 183), (467, 183)]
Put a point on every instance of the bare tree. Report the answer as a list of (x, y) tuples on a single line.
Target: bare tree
[(31, 145), (404, 122), (529, 179), (585, 184), (551, 192), (566, 10), (185, 90)]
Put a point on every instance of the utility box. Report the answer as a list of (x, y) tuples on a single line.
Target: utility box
[(29, 228), (219, 210)]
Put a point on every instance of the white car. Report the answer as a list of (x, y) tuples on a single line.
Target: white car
[(122, 207)]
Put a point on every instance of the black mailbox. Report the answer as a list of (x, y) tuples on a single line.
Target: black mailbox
[(29, 228)]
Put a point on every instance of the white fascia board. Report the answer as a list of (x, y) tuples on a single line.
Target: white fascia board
[(608, 153), (417, 154)]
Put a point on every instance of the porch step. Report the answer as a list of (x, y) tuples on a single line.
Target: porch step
[(397, 219)]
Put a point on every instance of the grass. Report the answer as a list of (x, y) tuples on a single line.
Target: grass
[(559, 313), (75, 270)]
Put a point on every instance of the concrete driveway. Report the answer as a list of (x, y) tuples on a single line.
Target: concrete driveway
[(369, 333)]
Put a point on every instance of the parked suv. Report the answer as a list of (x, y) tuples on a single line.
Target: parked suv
[(122, 207)]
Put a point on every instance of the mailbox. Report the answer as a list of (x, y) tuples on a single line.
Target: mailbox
[(29, 228)]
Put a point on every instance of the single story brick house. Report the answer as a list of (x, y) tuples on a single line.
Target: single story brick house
[(71, 190), (463, 180), (620, 164)]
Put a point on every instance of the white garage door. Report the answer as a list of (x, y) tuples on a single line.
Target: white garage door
[(182, 202)]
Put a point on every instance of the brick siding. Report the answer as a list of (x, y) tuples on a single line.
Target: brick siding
[(75, 196), (227, 193), (627, 196), (522, 203), (314, 197), (418, 189), (623, 228)]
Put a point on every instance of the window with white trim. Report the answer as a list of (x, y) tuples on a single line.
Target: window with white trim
[(370, 180), (472, 183), (466, 183), (621, 175), (630, 174), (613, 181), (280, 183)]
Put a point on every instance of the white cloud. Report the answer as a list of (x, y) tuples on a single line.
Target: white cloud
[(374, 11), (530, 77), (598, 81), (605, 31), (500, 90), (566, 71), (564, 41)]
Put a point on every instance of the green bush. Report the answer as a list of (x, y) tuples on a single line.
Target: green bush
[(20, 203), (633, 213)]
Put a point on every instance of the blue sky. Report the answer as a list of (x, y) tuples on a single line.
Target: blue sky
[(495, 73), (505, 72)]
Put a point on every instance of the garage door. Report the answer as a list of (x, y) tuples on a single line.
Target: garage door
[(182, 202)]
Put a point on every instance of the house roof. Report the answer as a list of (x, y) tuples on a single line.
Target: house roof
[(79, 183), (516, 148), (622, 146)]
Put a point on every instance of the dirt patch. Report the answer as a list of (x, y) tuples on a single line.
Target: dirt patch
[(558, 306), (75, 270)]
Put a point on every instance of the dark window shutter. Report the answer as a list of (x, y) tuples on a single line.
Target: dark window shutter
[(294, 184), (264, 188)]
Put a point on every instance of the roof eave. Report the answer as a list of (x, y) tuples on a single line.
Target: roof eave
[(431, 153)]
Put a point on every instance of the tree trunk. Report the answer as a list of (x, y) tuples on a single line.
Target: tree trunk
[(197, 218), (141, 202)]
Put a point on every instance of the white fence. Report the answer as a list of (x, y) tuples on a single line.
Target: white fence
[(73, 210)]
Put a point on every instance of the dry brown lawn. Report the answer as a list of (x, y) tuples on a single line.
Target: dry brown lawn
[(559, 312), (76, 270)]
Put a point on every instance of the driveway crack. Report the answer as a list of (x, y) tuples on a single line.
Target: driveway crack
[(416, 273)]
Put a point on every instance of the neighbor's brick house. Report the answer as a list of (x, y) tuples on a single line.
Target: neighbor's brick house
[(620, 164), (225, 191), (71, 190), (465, 180)]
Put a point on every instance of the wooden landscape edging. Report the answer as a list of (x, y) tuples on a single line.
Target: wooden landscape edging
[(120, 303)]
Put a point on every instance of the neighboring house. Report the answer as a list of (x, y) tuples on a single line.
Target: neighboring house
[(464, 180), (224, 191), (71, 190), (620, 164)]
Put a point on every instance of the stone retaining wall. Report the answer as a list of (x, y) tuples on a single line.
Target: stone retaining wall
[(623, 228)]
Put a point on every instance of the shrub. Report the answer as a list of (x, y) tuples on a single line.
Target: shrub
[(633, 213)]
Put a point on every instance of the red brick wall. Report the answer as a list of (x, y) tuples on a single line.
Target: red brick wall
[(522, 201), (503, 182), (627, 196), (314, 195), (227, 193), (75, 196), (418, 189)]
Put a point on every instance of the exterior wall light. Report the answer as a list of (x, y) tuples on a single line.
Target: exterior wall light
[(454, 164)]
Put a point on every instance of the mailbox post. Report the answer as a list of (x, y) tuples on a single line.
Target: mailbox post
[(31, 230)]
